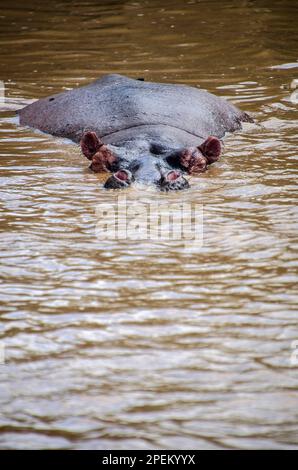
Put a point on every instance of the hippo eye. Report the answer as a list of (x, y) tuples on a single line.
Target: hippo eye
[(51, 99), (134, 166), (156, 148)]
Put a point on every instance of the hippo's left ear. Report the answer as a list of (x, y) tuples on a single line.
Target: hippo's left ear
[(211, 149), (90, 144), (95, 150)]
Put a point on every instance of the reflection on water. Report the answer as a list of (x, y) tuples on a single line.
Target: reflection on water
[(119, 344)]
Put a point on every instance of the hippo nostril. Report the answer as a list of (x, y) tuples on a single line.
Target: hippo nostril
[(173, 175), (173, 180), (120, 179), (123, 175)]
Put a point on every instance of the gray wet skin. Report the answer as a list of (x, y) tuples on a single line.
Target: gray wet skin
[(139, 131)]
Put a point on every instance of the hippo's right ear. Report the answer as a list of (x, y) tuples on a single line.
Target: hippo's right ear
[(211, 149), (90, 144)]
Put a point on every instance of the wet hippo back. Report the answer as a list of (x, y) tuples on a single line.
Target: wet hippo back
[(116, 106)]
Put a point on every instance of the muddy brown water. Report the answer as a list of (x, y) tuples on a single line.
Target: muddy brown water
[(145, 344)]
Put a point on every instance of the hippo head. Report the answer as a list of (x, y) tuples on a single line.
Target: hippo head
[(148, 163)]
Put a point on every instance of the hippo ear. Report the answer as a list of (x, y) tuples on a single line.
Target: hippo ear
[(211, 149), (90, 144), (192, 160), (100, 154), (104, 160)]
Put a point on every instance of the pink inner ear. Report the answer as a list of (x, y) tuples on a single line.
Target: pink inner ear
[(90, 144), (211, 147)]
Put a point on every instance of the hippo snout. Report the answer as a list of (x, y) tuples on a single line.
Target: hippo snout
[(171, 181)]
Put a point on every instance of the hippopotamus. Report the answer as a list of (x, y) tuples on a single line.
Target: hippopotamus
[(137, 130)]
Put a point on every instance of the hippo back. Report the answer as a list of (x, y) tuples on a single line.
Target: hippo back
[(115, 103)]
